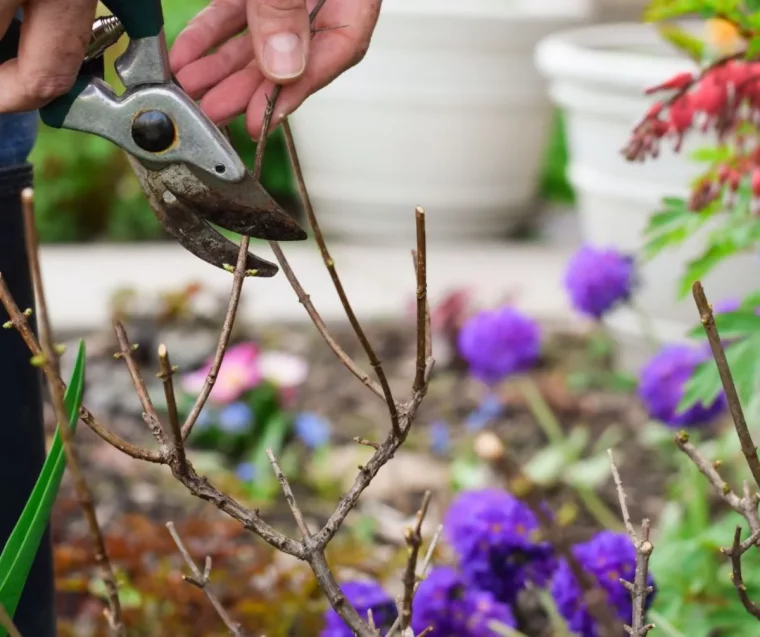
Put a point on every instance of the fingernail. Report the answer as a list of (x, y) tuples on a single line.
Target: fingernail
[(284, 56)]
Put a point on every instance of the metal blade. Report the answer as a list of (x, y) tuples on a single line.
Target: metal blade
[(243, 207), (191, 231)]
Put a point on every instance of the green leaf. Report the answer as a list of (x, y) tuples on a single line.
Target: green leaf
[(711, 154), (20, 550), (753, 48), (683, 41), (701, 266), (272, 437), (731, 324)]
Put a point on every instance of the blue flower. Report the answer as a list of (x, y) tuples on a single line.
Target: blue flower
[(446, 602), (487, 411), (598, 279), (607, 557), (312, 429), (363, 596), (246, 471), (494, 535), (498, 343), (662, 382), (440, 439), (236, 418)]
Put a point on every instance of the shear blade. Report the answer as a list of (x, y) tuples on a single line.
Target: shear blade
[(243, 207), (191, 231)]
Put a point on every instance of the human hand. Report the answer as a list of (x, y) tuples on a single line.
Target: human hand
[(54, 39), (277, 49)]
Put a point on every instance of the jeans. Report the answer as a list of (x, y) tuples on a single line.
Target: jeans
[(18, 132)]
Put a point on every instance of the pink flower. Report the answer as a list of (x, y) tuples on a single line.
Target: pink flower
[(240, 371)]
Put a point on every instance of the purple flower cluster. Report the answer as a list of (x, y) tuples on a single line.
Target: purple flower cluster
[(607, 557), (662, 382), (598, 279), (494, 535), (446, 602), (363, 596), (497, 343)]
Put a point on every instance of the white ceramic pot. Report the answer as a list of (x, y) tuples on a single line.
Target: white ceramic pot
[(446, 111), (598, 76)]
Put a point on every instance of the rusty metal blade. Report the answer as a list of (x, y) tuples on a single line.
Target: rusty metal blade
[(243, 207), (191, 231)]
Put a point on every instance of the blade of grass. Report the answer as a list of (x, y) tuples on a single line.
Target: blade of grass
[(20, 550)]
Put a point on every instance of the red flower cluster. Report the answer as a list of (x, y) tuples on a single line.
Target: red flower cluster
[(722, 98)]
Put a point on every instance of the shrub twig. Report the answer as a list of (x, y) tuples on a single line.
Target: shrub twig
[(50, 364), (639, 588), (746, 506), (201, 581)]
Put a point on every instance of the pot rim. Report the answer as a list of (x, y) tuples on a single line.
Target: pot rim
[(524, 10), (580, 54)]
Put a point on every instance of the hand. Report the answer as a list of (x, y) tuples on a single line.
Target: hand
[(277, 49), (54, 39)]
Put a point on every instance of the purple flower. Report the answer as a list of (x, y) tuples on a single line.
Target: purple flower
[(726, 306), (440, 438), (661, 387), (363, 596), (597, 279), (489, 409), (607, 557), (246, 471), (494, 535), (445, 602), (497, 343), (236, 418), (312, 429)]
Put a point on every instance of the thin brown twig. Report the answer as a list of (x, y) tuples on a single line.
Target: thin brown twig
[(423, 314), (413, 537), (166, 375), (150, 414), (374, 361), (201, 581), (739, 548), (639, 587), (51, 368), (489, 447), (7, 623), (19, 322), (319, 323), (289, 496), (732, 397), (428, 328)]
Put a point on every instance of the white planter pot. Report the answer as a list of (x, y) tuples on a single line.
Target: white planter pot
[(598, 75), (446, 111)]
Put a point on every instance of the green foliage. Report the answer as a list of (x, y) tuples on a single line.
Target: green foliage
[(86, 189), (21, 548), (740, 331), (683, 41)]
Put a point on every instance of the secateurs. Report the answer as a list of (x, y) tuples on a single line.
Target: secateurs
[(188, 169)]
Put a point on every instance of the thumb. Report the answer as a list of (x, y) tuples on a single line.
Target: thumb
[(281, 35)]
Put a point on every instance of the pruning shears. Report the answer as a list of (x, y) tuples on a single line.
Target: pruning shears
[(186, 166)]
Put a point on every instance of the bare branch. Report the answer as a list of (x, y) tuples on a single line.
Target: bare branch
[(746, 506), (150, 415), (201, 580), (51, 368), (739, 548), (20, 323), (166, 374), (424, 344), (734, 404), (290, 498), (413, 539), (639, 588), (330, 265)]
